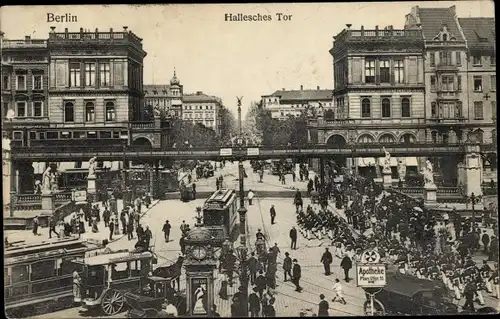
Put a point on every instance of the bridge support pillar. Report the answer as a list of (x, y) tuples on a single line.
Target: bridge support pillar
[(91, 188), (387, 179), (472, 170), (151, 181), (8, 184), (322, 171)]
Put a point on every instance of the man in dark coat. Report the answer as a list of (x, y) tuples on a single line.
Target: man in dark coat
[(293, 238), (254, 303), (52, 227), (260, 283), (486, 241), (327, 260), (323, 307), (346, 264), (166, 230), (287, 266), (182, 244), (252, 267), (272, 211), (296, 274)]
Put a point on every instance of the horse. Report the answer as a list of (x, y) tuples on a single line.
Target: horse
[(173, 272)]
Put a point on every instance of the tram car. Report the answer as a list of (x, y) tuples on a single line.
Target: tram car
[(38, 277), (220, 215)]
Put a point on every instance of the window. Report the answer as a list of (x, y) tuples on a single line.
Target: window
[(20, 273), (478, 110), (398, 71), (459, 82), (476, 60), (5, 81), (386, 107), (458, 109), (110, 111), (38, 108), (365, 139), (74, 74), (433, 83), (52, 135), (434, 137), (433, 58), (493, 109), (89, 74), (433, 110), (458, 58), (5, 109), (365, 108), (91, 134), (493, 82), (385, 72), (89, 112), (386, 139), (65, 135), (445, 37), (493, 60), (447, 83), (405, 107), (105, 134), (21, 109), (478, 83), (21, 82), (370, 71), (104, 74), (69, 112), (37, 82)]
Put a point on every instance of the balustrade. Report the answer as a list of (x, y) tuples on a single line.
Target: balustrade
[(28, 198)]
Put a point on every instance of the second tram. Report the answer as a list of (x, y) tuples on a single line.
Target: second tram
[(220, 215)]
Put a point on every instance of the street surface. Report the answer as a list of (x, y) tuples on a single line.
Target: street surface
[(308, 254)]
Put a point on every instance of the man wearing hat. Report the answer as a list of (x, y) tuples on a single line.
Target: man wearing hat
[(254, 303), (166, 230), (296, 274)]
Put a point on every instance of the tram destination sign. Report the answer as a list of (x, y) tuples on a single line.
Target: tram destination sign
[(371, 275)]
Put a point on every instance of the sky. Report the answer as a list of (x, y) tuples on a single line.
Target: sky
[(225, 58)]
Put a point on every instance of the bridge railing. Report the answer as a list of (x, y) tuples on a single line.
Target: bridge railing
[(441, 191)]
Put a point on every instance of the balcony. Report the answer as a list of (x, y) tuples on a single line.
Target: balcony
[(442, 67), (97, 37), (382, 35), (439, 119), (447, 95), (142, 125), (366, 122), (23, 44)]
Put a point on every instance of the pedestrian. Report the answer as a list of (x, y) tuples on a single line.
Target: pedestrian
[(296, 275), (323, 307), (106, 216), (293, 238), (252, 267), (166, 231), (111, 225), (184, 227), (182, 244), (250, 197), (327, 260), (254, 303), (147, 236), (194, 190), (486, 241), (260, 283), (35, 225), (215, 314), (469, 292), (130, 229), (294, 176), (272, 211), (337, 288), (270, 312), (52, 227), (123, 220), (346, 264), (223, 287), (77, 286), (287, 266)]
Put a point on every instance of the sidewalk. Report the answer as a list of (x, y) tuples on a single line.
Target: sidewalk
[(103, 233)]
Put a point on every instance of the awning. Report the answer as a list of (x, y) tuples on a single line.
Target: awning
[(64, 166), (366, 161), (411, 161), (39, 167), (394, 161)]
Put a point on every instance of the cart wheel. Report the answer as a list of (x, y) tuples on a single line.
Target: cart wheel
[(112, 302)]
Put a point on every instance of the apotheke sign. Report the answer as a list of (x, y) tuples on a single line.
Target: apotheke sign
[(371, 275)]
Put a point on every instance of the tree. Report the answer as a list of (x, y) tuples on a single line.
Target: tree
[(228, 126), (198, 135)]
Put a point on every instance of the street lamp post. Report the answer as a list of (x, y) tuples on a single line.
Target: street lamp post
[(473, 199), (124, 139), (242, 211)]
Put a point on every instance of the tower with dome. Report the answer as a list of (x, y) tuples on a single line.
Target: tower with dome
[(165, 98)]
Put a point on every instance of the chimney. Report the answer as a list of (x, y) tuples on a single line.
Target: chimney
[(125, 28), (348, 25), (65, 30), (376, 28), (317, 88), (282, 89), (52, 29), (27, 38), (111, 30), (301, 87), (199, 93)]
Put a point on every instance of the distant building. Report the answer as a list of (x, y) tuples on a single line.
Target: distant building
[(284, 103), (202, 108), (164, 98)]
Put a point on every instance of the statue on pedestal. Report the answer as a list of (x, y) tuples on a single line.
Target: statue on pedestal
[(402, 169), (47, 181), (92, 167), (6, 144), (428, 173), (53, 182), (387, 162)]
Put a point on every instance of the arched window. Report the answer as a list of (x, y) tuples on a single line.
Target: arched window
[(407, 138), (69, 112), (110, 111), (434, 137), (386, 139), (405, 107), (386, 107), (445, 37), (365, 108), (366, 139), (89, 112)]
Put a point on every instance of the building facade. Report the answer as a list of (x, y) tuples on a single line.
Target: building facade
[(25, 95), (203, 109), (95, 84), (165, 99), (283, 103)]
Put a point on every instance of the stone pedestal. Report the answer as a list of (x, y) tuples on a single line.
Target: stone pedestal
[(473, 171), (48, 203), (387, 178), (91, 188), (430, 194)]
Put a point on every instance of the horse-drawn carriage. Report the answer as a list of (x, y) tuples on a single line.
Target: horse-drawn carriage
[(110, 277)]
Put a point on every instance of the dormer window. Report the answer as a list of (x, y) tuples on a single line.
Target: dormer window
[(155, 92), (445, 37), (164, 91)]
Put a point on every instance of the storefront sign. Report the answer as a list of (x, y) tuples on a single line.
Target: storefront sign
[(253, 152), (80, 196), (226, 152), (371, 275), (199, 296)]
